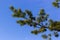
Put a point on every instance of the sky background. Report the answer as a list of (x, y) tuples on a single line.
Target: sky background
[(10, 30)]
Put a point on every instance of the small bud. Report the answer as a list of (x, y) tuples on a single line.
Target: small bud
[(11, 7)]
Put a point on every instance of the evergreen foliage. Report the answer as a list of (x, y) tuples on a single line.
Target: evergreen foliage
[(42, 22)]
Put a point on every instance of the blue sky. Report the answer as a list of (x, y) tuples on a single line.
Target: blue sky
[(10, 30)]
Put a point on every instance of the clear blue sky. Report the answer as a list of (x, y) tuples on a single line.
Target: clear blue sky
[(10, 30)]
